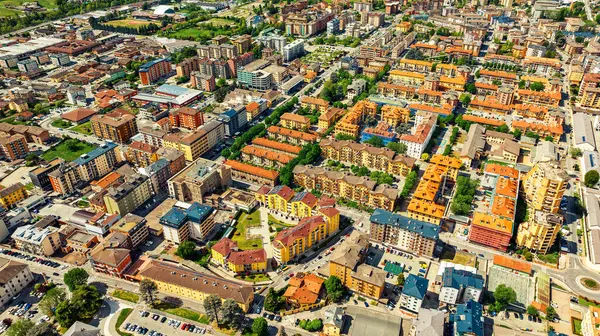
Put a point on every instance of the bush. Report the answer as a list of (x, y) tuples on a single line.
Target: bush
[(591, 178)]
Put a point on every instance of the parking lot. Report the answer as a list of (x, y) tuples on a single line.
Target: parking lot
[(151, 324), (378, 257)]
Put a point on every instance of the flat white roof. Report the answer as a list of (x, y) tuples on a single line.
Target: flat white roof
[(29, 46)]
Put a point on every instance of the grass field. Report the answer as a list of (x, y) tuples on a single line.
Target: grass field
[(185, 313), (85, 128), (219, 22), (62, 151), (60, 123), (125, 295), (130, 23), (6, 11), (120, 319), (246, 221), (254, 277)]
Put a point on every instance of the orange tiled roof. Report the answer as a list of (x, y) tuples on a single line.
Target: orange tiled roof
[(295, 117), (252, 170), (107, 180), (247, 257), (314, 101), (416, 62), (543, 94), (492, 104), (276, 145), (446, 161), (497, 73), (292, 133), (513, 264), (427, 190), (426, 207), (487, 86), (424, 45), (252, 106), (501, 170), (430, 108), (504, 207), (403, 73), (396, 87), (267, 154), (507, 187), (538, 127), (482, 120), (501, 225)]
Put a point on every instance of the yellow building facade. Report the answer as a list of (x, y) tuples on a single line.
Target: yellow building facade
[(538, 234), (11, 195)]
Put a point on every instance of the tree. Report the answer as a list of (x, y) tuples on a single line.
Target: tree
[(260, 326), (221, 82), (375, 142), (232, 314), (537, 86), (51, 300), (575, 152), (20, 328), (502, 128), (465, 99), (400, 281), (274, 300), (335, 288), (591, 178), (425, 157), (75, 277), (531, 310), (471, 88), (212, 306), (66, 314), (551, 313), (43, 329), (504, 296), (549, 138), (148, 290), (73, 145), (399, 148), (342, 136), (87, 300), (186, 250)]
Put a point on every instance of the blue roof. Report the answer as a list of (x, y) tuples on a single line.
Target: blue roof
[(468, 319), (175, 218), (158, 165), (199, 212), (425, 229), (146, 66), (96, 152), (415, 286), (172, 89), (461, 279)]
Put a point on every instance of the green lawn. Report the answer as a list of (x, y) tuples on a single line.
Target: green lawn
[(63, 151), (60, 123), (550, 258), (220, 22), (186, 313), (11, 119), (126, 295), (131, 23), (576, 327), (585, 302), (122, 317), (4, 11), (85, 128), (277, 223), (254, 277), (247, 221)]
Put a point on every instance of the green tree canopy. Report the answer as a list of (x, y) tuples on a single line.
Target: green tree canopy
[(20, 327), (335, 288), (503, 296), (186, 250), (75, 277), (212, 307), (591, 178), (51, 300)]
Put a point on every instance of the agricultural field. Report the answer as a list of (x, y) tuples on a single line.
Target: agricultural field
[(7, 6), (133, 23), (219, 22)]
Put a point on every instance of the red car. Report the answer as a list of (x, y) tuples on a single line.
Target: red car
[(183, 326)]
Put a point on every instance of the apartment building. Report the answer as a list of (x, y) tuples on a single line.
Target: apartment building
[(172, 279), (13, 147), (407, 234), (312, 103), (198, 142), (307, 23), (186, 117), (294, 137), (118, 128), (492, 224), (264, 157), (459, 286), (36, 240), (364, 155), (134, 227), (39, 176), (349, 124), (195, 221), (128, 196), (396, 90), (469, 319), (347, 263), (286, 201), (293, 242), (328, 118), (413, 294), (417, 141), (11, 195), (394, 115), (589, 91), (339, 184), (252, 174), (197, 180), (226, 254), (110, 260), (415, 65), (550, 99), (242, 43), (277, 146), (544, 186), (539, 232), (155, 70), (294, 121), (15, 277)]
